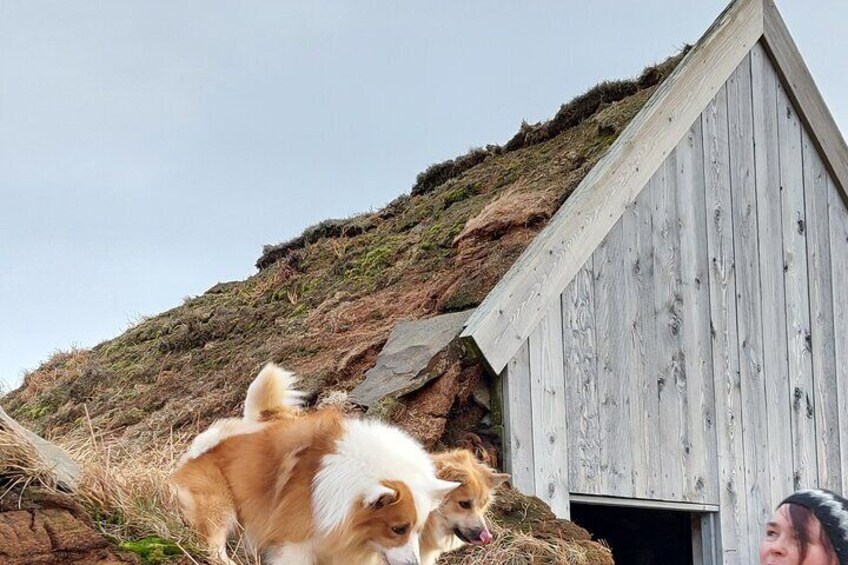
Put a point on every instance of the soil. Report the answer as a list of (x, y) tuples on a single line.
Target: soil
[(41, 528)]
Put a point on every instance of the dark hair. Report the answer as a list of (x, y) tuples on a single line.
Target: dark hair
[(801, 519)]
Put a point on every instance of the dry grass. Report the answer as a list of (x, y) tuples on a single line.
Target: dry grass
[(128, 492), (20, 465), (131, 499), (516, 548), (128, 495)]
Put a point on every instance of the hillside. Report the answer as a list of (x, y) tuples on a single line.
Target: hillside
[(324, 303)]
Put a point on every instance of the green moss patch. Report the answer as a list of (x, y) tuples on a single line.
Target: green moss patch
[(153, 549)]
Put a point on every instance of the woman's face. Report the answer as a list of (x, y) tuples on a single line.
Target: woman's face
[(780, 547)]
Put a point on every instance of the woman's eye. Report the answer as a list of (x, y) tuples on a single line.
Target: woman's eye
[(465, 504), (400, 530)]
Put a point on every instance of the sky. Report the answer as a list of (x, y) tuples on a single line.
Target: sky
[(149, 149)]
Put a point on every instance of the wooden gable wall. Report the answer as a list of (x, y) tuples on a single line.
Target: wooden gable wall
[(701, 353)]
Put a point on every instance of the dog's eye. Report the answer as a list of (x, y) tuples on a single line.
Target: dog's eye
[(465, 504), (400, 530)]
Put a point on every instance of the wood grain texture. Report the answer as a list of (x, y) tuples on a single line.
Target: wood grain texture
[(748, 318), (701, 465), (838, 222), (668, 363), (581, 389), (518, 421), (611, 315), (547, 397), (802, 90), (797, 292), (772, 293), (734, 536), (822, 334), (640, 354), (511, 311)]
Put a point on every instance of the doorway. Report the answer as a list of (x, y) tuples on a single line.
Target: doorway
[(641, 536)]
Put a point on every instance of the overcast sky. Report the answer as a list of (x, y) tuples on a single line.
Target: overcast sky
[(150, 149)]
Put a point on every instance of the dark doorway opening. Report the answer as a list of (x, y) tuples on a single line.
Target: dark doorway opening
[(639, 536)]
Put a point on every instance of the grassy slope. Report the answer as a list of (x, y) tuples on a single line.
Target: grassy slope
[(324, 304)]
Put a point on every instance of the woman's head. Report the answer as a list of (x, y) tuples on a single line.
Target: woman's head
[(808, 528)]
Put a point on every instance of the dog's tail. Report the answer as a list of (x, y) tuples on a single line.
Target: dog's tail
[(271, 395)]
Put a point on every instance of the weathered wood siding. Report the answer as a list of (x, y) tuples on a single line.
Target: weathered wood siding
[(703, 351)]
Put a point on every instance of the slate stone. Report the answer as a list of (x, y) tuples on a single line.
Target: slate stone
[(65, 469), (402, 365)]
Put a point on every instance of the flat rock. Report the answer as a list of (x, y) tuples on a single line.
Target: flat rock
[(402, 365), (65, 469)]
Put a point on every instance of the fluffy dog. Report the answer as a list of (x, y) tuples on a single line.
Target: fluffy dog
[(308, 488), (460, 518)]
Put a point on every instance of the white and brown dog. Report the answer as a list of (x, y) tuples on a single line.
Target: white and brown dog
[(308, 488)]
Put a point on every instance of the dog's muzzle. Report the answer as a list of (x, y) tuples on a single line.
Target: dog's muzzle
[(475, 537)]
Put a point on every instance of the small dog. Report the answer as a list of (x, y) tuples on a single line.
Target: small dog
[(308, 488), (460, 518)]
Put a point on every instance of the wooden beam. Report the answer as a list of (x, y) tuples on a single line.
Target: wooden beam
[(547, 399), (518, 423), (805, 96), (514, 307), (647, 504)]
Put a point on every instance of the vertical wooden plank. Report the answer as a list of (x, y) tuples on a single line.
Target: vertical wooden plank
[(769, 223), (838, 222), (578, 332), (733, 515), (704, 539), (712, 528), (640, 354), (518, 421), (611, 315), (804, 93), (797, 292), (821, 318), (701, 468), (668, 363), (547, 397), (697, 540), (748, 320)]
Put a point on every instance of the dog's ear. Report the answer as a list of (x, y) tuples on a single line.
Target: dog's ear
[(449, 470), (497, 479), (440, 488), (379, 496)]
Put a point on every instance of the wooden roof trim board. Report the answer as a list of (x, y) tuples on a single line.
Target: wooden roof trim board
[(514, 307), (805, 96)]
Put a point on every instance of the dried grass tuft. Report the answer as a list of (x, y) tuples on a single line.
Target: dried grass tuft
[(128, 494), (338, 399), (513, 547), (21, 466)]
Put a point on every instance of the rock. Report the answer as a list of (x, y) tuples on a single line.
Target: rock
[(402, 365), (41, 528), (482, 395), (65, 469)]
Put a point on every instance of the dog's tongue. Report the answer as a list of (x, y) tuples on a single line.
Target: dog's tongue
[(485, 536)]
